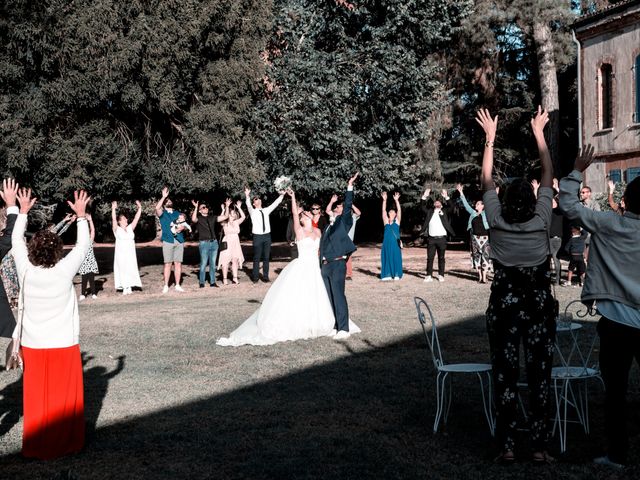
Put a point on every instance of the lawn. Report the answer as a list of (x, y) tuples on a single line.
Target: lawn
[(163, 401)]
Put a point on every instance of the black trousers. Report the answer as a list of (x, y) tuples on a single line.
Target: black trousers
[(333, 274), (619, 345), (439, 245), (261, 252), (89, 278), (521, 309)]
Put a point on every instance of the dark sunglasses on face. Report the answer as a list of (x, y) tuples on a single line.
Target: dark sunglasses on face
[(315, 208)]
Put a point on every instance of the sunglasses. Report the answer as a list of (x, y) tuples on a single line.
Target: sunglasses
[(315, 208)]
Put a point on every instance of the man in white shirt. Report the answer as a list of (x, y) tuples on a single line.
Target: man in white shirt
[(261, 230), (435, 230)]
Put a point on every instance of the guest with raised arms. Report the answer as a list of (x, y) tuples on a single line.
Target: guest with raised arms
[(9, 215), (172, 245), (207, 241), (231, 250), (89, 267), (435, 229), (479, 230), (391, 252), (521, 306), (261, 230), (125, 260), (46, 339)]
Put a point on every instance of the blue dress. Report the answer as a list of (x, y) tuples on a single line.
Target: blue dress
[(391, 252)]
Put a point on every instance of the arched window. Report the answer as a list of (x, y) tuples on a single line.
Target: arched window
[(606, 96), (636, 68)]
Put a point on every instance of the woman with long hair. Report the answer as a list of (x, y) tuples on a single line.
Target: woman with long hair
[(521, 306), (232, 254), (47, 335)]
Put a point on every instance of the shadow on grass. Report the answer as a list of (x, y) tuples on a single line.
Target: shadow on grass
[(368, 414)]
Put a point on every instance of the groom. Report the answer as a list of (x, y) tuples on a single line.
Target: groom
[(335, 248)]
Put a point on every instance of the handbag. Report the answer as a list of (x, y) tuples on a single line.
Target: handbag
[(13, 355), (223, 246), (398, 239)]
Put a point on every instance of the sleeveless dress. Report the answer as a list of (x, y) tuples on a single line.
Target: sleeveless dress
[(296, 306), (234, 249), (125, 262), (391, 254), (89, 265)]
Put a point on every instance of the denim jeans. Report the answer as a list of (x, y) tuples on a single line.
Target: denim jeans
[(208, 254)]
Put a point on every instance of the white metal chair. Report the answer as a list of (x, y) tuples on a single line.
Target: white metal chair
[(575, 367), (444, 392)]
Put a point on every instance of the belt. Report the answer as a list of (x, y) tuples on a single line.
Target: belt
[(337, 259), (437, 236)]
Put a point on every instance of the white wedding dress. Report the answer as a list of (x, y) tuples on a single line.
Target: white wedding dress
[(296, 306)]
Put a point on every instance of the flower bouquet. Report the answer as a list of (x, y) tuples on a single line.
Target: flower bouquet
[(282, 183)]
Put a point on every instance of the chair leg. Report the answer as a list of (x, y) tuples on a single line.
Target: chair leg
[(449, 396), (487, 413), (439, 400)]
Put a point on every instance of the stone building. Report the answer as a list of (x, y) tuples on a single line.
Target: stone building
[(609, 90)]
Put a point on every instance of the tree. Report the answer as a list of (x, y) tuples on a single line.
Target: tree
[(353, 87), (125, 97)]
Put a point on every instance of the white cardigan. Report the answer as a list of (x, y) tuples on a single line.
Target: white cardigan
[(50, 305)]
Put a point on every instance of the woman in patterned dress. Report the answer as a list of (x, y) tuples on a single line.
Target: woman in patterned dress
[(479, 229), (89, 267)]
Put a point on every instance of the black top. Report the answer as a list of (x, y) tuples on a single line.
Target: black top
[(557, 219), (477, 227), (7, 322), (576, 245), (206, 227)]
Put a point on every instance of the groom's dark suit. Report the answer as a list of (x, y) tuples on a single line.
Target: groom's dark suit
[(7, 322), (335, 248)]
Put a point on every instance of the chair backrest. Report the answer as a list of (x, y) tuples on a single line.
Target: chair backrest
[(572, 353), (430, 330)]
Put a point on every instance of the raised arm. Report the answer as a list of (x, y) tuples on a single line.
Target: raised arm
[(275, 203), (570, 186), (329, 209), (356, 210), (160, 204), (114, 218), (225, 210), (9, 194), (396, 197), (295, 213), (490, 126), (242, 215), (19, 247), (194, 214), (137, 216), (463, 199), (612, 187), (537, 126), (385, 217), (71, 263), (247, 199)]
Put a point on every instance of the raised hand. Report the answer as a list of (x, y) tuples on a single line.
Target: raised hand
[(80, 201), (114, 206), (165, 192), (535, 184), (290, 192), (353, 179), (138, 204), (227, 203), (556, 185), (384, 196), (195, 203), (9, 192), (444, 193), (334, 198), (25, 200), (247, 191), (459, 188), (539, 121), (68, 217), (239, 204), (427, 192), (584, 158), (488, 124), (612, 187), (396, 196)]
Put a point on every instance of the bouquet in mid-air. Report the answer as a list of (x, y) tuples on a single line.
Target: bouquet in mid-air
[(282, 183)]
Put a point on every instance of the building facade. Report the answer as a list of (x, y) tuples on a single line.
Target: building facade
[(609, 83)]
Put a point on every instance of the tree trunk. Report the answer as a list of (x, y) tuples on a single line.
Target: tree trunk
[(549, 89)]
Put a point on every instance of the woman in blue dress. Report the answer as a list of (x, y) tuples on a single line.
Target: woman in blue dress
[(391, 244)]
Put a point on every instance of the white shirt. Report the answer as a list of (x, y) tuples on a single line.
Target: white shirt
[(436, 229), (352, 231), (50, 317), (257, 214)]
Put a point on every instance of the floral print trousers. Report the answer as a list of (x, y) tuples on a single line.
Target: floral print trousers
[(521, 308)]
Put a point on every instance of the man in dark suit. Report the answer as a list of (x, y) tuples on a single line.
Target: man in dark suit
[(8, 194), (335, 248), (435, 229)]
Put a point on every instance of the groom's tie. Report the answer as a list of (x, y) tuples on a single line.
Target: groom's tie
[(264, 229)]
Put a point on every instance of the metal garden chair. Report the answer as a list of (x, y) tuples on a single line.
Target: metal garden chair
[(444, 392)]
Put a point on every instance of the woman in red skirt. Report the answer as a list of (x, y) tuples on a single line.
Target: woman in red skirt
[(48, 332)]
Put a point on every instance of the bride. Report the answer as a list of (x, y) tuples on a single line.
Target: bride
[(297, 305)]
